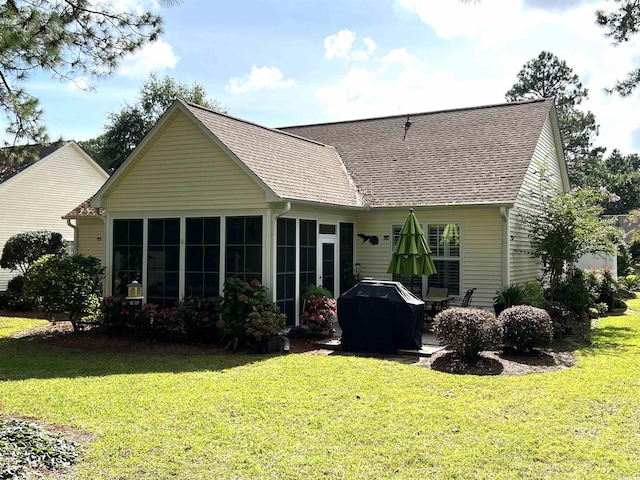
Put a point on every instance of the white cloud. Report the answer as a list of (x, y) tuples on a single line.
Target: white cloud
[(340, 45), (263, 78), (399, 55), (156, 56)]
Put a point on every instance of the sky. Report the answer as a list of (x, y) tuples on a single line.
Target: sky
[(291, 62)]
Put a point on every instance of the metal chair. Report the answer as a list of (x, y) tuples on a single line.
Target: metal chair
[(467, 298)]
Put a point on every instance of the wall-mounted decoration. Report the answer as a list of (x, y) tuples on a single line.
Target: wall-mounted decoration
[(372, 239)]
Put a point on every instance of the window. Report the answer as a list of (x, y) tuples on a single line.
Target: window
[(202, 257), (444, 242), (327, 229), (127, 254), (163, 261), (244, 248), (346, 256), (286, 268), (308, 254)]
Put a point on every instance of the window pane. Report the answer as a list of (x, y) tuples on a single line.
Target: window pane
[(194, 231), (253, 234), (212, 231), (155, 232), (194, 258), (253, 261), (327, 229), (235, 230), (127, 254), (172, 232)]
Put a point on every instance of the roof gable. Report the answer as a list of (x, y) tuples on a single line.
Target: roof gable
[(293, 168), (286, 167), (465, 156)]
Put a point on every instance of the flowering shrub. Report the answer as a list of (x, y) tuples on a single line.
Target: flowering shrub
[(525, 328), (265, 324), (200, 318), (319, 314), (467, 331), (113, 311), (240, 300)]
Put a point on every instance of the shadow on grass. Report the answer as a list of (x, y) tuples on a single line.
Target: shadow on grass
[(611, 340), (21, 359)]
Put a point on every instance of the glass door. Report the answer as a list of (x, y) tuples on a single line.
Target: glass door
[(328, 261)]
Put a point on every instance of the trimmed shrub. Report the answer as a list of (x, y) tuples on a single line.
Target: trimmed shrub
[(23, 249), (467, 331), (525, 328), (16, 285), (68, 284)]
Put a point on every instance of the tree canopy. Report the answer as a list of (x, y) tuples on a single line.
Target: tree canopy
[(128, 126), (547, 76), (63, 39), (621, 25)]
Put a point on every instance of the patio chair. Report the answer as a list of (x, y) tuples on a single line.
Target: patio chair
[(435, 307), (467, 298)]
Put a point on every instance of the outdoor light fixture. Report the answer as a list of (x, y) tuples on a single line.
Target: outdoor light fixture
[(134, 290)]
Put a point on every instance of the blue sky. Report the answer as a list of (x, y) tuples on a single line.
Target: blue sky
[(286, 62)]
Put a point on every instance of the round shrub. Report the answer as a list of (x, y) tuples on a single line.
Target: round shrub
[(467, 331), (525, 328)]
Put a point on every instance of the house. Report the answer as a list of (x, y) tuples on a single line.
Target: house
[(205, 196), (36, 193)]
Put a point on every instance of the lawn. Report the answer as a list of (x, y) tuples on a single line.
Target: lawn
[(313, 416)]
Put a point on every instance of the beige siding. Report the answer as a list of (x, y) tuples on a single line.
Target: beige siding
[(523, 266), (39, 196), (481, 241), (90, 237), (183, 170)]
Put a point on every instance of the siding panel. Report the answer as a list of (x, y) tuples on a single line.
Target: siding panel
[(90, 237), (183, 169), (523, 266), (481, 240)]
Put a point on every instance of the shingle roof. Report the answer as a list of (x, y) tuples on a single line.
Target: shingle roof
[(10, 167), (84, 210), (466, 156), (293, 168)]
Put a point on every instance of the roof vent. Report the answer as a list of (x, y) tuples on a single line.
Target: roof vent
[(407, 125)]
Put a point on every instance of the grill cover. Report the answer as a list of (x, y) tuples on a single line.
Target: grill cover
[(381, 317)]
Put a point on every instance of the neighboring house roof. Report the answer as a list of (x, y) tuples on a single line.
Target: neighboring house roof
[(9, 168), (293, 168), (466, 156)]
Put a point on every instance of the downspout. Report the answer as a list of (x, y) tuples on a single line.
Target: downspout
[(75, 235), (506, 246)]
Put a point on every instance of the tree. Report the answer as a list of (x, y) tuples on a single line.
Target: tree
[(127, 127), (568, 227), (622, 176), (621, 25), (23, 249), (68, 284), (547, 76), (63, 39)]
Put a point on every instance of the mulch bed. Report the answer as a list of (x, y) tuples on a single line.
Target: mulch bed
[(60, 334)]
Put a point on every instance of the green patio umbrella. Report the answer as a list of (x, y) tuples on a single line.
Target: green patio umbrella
[(411, 256)]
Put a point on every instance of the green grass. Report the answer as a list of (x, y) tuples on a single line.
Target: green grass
[(311, 417)]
